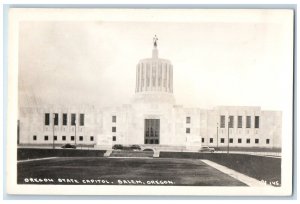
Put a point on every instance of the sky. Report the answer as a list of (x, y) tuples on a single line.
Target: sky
[(235, 63)]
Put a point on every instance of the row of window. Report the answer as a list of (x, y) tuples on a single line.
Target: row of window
[(64, 119), (63, 138), (188, 131), (151, 141), (239, 140), (239, 120)]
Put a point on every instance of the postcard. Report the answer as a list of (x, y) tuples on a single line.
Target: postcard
[(150, 102)]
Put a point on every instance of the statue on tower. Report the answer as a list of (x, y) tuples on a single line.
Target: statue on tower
[(155, 39)]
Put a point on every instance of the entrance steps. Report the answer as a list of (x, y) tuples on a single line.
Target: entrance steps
[(108, 153), (127, 153)]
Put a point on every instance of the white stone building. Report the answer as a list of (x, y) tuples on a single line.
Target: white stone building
[(151, 119)]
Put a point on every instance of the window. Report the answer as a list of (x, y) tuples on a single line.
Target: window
[(114, 129), (240, 121), (151, 141), (65, 119), (46, 137), (47, 119), (156, 141), (73, 119), (63, 138), (256, 141), (55, 118), (80, 138), (231, 140), (202, 140), (267, 141), (256, 124), (114, 138), (222, 121), (248, 122), (188, 119), (92, 138), (34, 137), (55, 137), (248, 141), (81, 119), (222, 140), (114, 119), (231, 121), (211, 140), (239, 140), (188, 130), (72, 138), (146, 141)]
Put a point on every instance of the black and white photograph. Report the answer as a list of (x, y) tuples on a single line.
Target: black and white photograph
[(150, 101)]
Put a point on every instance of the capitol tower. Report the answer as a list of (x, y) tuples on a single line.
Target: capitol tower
[(153, 102), (154, 79)]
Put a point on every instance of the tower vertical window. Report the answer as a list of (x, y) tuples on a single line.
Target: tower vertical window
[(211, 140), (114, 118), (240, 121), (239, 140), (65, 119), (92, 138), (248, 141), (142, 74), (248, 122), (80, 138), (159, 75), (231, 140), (165, 76), (46, 137), (73, 119), (267, 141), (34, 137), (137, 77), (114, 138), (202, 140), (222, 121), (222, 140), (256, 141), (148, 75), (81, 119), (256, 124), (153, 75), (47, 119), (114, 129)]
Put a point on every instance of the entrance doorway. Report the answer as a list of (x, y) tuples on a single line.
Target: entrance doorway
[(151, 134)]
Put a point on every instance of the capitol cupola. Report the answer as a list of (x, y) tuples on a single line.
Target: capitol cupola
[(154, 74)]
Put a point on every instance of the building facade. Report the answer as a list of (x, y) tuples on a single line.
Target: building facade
[(151, 119)]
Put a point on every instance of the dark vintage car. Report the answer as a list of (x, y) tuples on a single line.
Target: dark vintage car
[(68, 146), (207, 149), (118, 147), (131, 147), (135, 147)]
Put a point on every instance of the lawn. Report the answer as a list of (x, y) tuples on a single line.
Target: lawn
[(114, 171)]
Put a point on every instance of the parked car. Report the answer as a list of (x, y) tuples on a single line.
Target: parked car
[(207, 149), (118, 147), (148, 150), (68, 146), (135, 147)]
